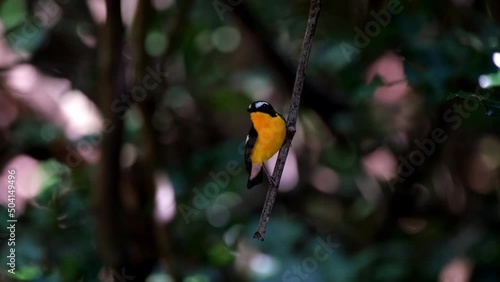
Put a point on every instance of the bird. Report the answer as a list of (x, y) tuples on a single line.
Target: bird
[(266, 136)]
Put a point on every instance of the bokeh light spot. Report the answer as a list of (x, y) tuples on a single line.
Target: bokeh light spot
[(226, 39)]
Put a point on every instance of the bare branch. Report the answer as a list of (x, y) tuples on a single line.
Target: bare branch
[(292, 119)]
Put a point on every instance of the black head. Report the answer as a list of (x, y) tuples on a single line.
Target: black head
[(263, 107)]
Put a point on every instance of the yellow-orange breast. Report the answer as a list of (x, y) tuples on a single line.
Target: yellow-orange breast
[(271, 135)]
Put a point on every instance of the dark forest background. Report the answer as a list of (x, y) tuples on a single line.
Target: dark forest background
[(125, 121)]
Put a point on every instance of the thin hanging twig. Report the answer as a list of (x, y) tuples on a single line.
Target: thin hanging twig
[(292, 119)]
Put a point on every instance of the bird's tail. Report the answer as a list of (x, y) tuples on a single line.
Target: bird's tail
[(256, 180)]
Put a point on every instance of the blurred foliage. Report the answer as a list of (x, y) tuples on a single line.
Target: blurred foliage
[(342, 214)]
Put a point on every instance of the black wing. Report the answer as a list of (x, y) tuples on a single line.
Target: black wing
[(251, 139)]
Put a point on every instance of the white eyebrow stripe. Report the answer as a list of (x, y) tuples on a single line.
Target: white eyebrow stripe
[(260, 104)]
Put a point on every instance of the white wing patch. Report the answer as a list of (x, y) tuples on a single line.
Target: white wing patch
[(260, 104)]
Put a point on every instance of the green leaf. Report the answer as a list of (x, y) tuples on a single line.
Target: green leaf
[(12, 13), (490, 104), (220, 255), (365, 93), (460, 94), (28, 273), (26, 37), (492, 79)]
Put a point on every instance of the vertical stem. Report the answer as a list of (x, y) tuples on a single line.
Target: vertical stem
[(292, 119), (111, 85)]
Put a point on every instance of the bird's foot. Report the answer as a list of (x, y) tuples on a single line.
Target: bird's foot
[(272, 181)]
